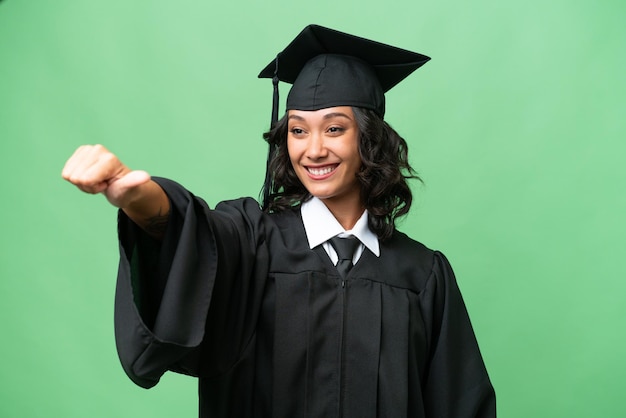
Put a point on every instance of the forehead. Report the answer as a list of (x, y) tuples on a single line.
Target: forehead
[(344, 112)]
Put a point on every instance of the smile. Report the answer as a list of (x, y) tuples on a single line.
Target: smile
[(321, 171)]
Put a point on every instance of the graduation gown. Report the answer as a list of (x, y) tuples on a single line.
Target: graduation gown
[(236, 297)]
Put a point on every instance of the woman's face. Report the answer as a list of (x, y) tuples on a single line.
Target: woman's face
[(323, 148)]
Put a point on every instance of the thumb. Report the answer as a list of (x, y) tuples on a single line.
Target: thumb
[(123, 190), (132, 179)]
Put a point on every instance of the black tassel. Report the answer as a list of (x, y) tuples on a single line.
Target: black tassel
[(268, 185)]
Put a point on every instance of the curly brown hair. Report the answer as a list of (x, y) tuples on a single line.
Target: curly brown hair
[(383, 176)]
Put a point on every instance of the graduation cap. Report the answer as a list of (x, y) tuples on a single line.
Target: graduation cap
[(330, 68)]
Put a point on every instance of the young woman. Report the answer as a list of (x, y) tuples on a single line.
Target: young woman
[(314, 305)]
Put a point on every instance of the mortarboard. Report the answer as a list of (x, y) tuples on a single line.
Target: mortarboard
[(330, 68)]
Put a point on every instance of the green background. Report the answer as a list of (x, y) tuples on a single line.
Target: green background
[(516, 125)]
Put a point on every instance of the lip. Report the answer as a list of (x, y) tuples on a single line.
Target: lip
[(320, 172)]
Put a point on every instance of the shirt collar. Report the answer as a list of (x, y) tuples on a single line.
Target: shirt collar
[(320, 226)]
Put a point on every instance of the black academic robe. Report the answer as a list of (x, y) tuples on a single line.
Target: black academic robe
[(236, 297)]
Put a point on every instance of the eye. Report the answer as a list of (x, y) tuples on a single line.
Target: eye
[(296, 131), (335, 129)]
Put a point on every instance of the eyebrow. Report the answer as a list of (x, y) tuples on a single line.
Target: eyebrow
[(326, 116), (336, 114)]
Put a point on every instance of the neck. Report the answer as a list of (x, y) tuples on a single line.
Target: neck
[(346, 213)]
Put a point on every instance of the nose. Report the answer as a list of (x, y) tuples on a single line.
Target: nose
[(315, 147)]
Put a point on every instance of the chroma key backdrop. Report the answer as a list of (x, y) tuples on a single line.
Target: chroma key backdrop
[(516, 126)]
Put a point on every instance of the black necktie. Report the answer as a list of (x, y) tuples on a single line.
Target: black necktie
[(345, 248)]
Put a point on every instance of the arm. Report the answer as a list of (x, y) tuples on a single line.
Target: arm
[(177, 308), (457, 384), (94, 169)]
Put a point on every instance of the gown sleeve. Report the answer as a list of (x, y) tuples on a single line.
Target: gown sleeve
[(172, 297), (457, 384)]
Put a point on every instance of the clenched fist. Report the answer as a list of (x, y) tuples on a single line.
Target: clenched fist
[(94, 169)]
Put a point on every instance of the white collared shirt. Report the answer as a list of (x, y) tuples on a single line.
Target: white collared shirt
[(321, 225)]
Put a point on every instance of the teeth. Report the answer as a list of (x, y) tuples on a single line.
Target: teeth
[(320, 171)]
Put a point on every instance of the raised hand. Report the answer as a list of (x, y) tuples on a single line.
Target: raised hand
[(94, 169)]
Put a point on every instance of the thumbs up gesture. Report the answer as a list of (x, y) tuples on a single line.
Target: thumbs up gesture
[(94, 169)]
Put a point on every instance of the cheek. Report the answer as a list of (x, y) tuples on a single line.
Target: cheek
[(293, 152), (352, 153)]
